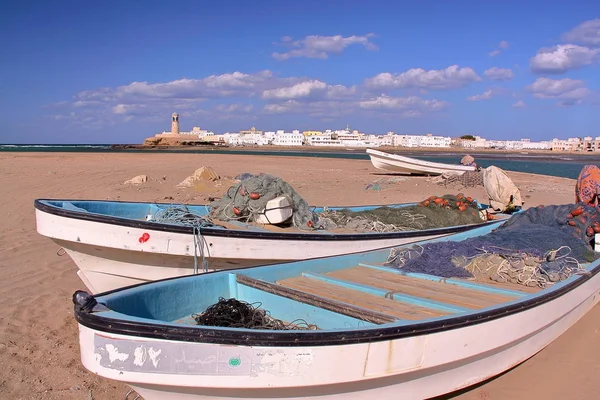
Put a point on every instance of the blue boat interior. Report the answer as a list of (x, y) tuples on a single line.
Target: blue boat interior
[(348, 292)]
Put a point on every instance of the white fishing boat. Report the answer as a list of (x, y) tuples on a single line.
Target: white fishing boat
[(355, 326), (116, 244), (408, 165)]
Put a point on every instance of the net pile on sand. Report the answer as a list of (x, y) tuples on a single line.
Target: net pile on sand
[(537, 247), (464, 180), (433, 212)]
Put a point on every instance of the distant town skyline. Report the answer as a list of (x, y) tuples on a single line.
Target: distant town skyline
[(114, 72)]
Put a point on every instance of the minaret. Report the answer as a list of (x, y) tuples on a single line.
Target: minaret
[(175, 124)]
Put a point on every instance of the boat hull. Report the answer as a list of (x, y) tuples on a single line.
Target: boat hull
[(407, 165), (413, 367), (110, 256)]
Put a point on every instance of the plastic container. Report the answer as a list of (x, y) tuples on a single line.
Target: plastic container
[(276, 211)]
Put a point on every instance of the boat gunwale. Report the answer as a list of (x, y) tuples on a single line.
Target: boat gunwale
[(43, 206), (294, 338)]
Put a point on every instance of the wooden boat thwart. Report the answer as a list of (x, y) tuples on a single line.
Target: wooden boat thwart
[(114, 245), (408, 165), (381, 333)]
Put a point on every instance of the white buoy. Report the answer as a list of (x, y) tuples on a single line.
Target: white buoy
[(276, 211)]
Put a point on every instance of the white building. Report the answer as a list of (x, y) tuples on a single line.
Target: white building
[(281, 138)]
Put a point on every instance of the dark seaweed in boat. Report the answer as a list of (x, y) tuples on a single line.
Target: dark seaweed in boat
[(233, 313)]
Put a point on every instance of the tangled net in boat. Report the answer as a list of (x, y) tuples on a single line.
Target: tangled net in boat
[(433, 212), (247, 199), (537, 247), (233, 313), (180, 215)]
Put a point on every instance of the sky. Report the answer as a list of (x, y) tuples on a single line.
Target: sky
[(114, 71)]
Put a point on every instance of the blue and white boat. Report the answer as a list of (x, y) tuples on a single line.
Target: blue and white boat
[(116, 244), (373, 331)]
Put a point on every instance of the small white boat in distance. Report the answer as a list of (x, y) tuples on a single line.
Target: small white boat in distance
[(408, 165)]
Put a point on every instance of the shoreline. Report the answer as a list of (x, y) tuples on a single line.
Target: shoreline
[(415, 151), (538, 155)]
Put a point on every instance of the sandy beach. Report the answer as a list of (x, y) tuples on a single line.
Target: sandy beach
[(39, 347)]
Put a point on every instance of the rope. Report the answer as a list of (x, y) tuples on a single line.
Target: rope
[(525, 269), (182, 215)]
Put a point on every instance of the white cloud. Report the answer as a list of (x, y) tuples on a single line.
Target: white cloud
[(519, 104), (400, 107), (484, 96), (234, 108), (568, 91), (501, 46), (341, 91), (499, 74), (321, 46), (225, 85), (240, 95), (588, 33), (302, 89), (385, 102), (563, 57), (281, 108), (309, 90), (452, 77), (123, 109)]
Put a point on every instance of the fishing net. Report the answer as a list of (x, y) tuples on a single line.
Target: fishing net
[(537, 247), (434, 212), (180, 215), (464, 180), (233, 313), (248, 199)]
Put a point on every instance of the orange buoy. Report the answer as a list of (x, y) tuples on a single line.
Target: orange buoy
[(255, 196), (310, 224), (577, 211), (589, 231), (462, 207), (572, 223), (237, 211), (438, 200), (426, 203)]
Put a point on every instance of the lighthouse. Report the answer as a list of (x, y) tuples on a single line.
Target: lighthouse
[(175, 124)]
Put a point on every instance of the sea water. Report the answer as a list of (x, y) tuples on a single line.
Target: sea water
[(561, 165)]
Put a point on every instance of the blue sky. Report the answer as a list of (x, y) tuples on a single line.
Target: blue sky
[(114, 71)]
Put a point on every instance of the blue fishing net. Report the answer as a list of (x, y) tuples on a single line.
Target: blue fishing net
[(556, 235)]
